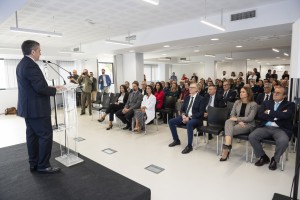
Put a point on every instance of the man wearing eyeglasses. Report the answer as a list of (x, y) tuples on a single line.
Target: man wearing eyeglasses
[(228, 94), (192, 116), (267, 95), (276, 122)]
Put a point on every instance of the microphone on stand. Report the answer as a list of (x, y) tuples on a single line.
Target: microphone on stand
[(59, 67), (44, 61)]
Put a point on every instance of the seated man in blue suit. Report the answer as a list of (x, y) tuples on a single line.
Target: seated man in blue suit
[(276, 122), (192, 116), (34, 105)]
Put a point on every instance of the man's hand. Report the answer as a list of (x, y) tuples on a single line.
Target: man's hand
[(60, 87), (205, 114), (125, 110), (267, 112)]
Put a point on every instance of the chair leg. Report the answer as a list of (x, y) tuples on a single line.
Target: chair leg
[(295, 144), (222, 140), (217, 145), (247, 144), (251, 155), (282, 163), (167, 119)]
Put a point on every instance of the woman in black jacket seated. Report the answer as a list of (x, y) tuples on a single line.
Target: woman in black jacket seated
[(114, 107)]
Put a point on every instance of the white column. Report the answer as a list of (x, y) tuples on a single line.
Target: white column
[(210, 69), (163, 71), (118, 71), (295, 53)]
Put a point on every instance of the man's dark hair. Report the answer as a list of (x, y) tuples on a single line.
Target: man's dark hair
[(28, 46), (136, 82)]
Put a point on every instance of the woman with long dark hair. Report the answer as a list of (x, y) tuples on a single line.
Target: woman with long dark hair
[(114, 107)]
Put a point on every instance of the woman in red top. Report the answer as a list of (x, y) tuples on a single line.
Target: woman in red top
[(159, 94), (184, 77)]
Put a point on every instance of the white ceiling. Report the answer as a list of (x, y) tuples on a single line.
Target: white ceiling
[(118, 17)]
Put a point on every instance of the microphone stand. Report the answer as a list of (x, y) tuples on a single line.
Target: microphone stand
[(60, 67)]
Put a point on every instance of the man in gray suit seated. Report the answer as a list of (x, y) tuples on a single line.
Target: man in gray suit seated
[(134, 102)]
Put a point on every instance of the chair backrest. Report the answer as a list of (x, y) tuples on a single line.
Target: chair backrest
[(230, 105), (112, 97), (98, 98), (170, 102), (217, 116), (105, 100)]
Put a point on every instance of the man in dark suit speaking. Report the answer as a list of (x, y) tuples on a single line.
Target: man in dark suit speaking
[(34, 105), (192, 116)]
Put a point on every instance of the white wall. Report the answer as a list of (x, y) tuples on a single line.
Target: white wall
[(9, 98)]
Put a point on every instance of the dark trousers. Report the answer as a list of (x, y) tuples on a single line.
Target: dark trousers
[(190, 125), (281, 138), (86, 99), (39, 138), (112, 109), (125, 118)]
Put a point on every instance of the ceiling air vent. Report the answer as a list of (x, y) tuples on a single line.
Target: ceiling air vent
[(243, 15)]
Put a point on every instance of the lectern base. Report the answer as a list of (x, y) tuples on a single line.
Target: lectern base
[(69, 159), (281, 197)]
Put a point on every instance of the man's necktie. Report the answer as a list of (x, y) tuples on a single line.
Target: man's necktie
[(190, 105), (276, 106), (267, 97)]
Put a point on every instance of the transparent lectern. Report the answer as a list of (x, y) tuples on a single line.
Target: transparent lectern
[(68, 131)]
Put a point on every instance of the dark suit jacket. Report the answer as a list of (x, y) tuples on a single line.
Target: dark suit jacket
[(33, 90), (284, 119), (260, 98), (218, 102), (124, 100), (231, 96), (134, 101), (198, 108)]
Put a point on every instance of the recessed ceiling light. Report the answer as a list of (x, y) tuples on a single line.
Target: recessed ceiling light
[(277, 57), (164, 54), (283, 59), (228, 57), (286, 54), (248, 59), (276, 50), (214, 39), (131, 51), (166, 46), (239, 46), (196, 51), (209, 55)]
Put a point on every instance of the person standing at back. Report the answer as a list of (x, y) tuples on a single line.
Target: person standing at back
[(86, 81), (34, 105), (104, 82)]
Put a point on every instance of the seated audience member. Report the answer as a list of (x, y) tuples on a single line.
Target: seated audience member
[(159, 94), (209, 83), (267, 95), (134, 102), (166, 89), (286, 75), (116, 106), (184, 77), (257, 74), (194, 78), (241, 119), (143, 88), (192, 115), (213, 99), (241, 75), (276, 122), (152, 84), (184, 93), (147, 112), (274, 75), (224, 76), (219, 86), (252, 76), (260, 88), (201, 90), (233, 76), (128, 86), (227, 93), (284, 83), (173, 91), (269, 74), (173, 77)]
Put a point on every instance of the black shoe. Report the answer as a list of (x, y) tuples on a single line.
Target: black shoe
[(210, 137), (48, 170), (82, 113), (174, 143), (126, 127), (130, 129), (151, 122), (273, 164), (109, 127), (263, 160), (32, 168), (187, 149), (226, 148)]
